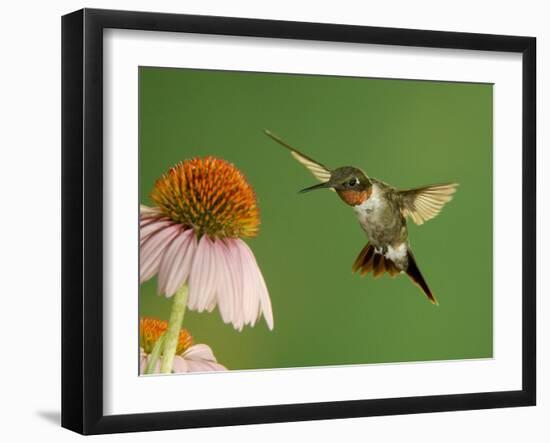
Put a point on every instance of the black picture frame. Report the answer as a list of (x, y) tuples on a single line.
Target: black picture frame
[(82, 218)]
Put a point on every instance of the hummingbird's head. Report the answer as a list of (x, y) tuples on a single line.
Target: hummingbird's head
[(351, 184)]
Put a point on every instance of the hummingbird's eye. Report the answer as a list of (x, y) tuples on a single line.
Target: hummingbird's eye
[(353, 182)]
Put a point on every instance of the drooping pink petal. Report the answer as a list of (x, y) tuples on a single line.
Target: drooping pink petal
[(211, 305), (224, 283), (202, 279), (200, 358), (176, 263), (265, 302), (214, 270), (142, 365), (179, 365), (254, 275), (204, 366), (142, 361), (144, 221), (251, 286), (233, 260), (197, 366), (199, 352), (151, 228), (152, 250), (208, 300)]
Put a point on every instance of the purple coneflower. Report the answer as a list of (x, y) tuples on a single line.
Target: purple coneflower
[(189, 357), (192, 240)]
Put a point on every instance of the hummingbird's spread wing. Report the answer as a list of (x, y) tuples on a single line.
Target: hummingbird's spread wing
[(423, 204), (319, 171)]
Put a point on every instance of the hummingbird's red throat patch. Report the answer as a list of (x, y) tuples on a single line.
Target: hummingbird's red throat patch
[(354, 198)]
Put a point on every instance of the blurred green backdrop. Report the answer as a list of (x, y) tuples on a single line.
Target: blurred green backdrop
[(407, 133)]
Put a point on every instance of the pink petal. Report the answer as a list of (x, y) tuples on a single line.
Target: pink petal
[(200, 358), (215, 271), (257, 280), (142, 365), (176, 263), (224, 283), (233, 259), (211, 306), (217, 367), (204, 366), (144, 221), (265, 302), (251, 286), (151, 228), (142, 361), (199, 352), (202, 279), (179, 365), (152, 250)]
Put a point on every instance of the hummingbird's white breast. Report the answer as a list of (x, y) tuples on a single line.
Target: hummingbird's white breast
[(383, 223), (371, 209)]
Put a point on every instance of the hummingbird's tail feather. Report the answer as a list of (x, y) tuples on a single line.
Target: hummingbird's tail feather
[(416, 276), (370, 260)]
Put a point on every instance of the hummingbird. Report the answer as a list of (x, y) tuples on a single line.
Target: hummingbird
[(382, 211)]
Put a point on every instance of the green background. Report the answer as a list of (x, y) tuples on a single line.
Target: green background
[(407, 133)]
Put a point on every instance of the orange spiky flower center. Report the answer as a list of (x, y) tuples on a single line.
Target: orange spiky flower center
[(210, 195), (150, 330)]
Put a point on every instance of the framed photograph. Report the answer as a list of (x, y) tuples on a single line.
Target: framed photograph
[(269, 221)]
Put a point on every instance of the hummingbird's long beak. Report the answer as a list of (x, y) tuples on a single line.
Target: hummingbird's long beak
[(319, 186)]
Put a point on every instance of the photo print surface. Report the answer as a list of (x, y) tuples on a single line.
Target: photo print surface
[(302, 221)]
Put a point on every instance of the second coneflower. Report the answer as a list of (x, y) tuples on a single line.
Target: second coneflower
[(189, 357), (192, 240)]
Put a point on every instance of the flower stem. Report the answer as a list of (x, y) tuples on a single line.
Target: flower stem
[(171, 335), (155, 354)]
